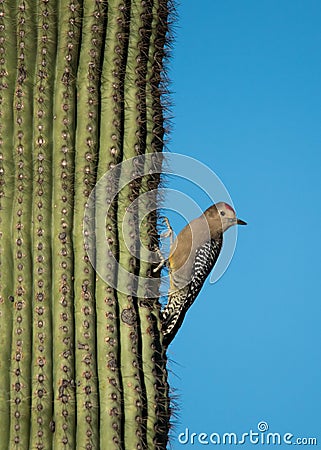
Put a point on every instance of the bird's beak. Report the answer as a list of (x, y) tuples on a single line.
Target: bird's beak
[(240, 222)]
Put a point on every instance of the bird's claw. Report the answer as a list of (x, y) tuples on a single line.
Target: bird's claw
[(169, 233), (162, 260)]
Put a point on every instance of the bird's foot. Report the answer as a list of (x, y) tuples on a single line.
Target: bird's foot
[(162, 260), (169, 233)]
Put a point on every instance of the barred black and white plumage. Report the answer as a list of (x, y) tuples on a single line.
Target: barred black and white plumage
[(193, 255), (180, 301)]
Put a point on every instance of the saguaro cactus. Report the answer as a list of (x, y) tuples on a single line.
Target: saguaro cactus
[(81, 357)]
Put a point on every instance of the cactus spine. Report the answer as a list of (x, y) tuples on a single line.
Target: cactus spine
[(81, 359)]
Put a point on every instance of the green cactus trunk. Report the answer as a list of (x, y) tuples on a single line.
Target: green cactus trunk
[(82, 364)]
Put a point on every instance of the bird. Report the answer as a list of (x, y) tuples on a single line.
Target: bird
[(192, 257)]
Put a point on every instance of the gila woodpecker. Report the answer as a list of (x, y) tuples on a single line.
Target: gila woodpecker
[(192, 256)]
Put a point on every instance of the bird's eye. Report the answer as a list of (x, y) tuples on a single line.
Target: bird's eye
[(222, 213)]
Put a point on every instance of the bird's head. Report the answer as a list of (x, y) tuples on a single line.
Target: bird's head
[(226, 214)]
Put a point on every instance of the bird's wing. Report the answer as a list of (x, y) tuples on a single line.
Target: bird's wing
[(180, 301), (205, 259)]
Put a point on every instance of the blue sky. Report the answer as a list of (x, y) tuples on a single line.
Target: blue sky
[(246, 81)]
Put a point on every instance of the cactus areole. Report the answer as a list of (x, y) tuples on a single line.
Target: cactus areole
[(82, 362)]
